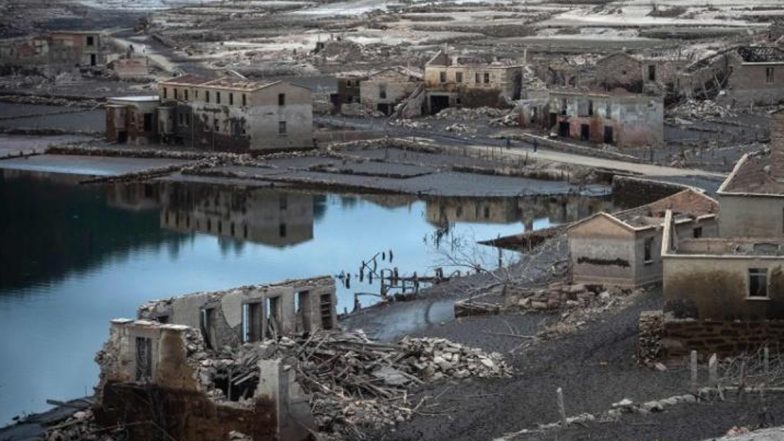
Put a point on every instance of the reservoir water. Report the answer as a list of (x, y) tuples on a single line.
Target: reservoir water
[(73, 256)]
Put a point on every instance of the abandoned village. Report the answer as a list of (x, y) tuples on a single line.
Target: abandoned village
[(374, 220)]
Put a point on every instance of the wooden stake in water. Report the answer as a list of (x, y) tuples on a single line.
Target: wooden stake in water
[(561, 407)]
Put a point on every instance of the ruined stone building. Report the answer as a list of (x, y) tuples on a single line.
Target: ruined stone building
[(135, 68), (752, 196), (159, 382), (741, 76), (346, 100), (454, 81), (235, 114), (132, 120), (619, 117), (165, 375), (251, 313), (383, 90), (270, 217), (624, 249), (56, 51), (636, 73)]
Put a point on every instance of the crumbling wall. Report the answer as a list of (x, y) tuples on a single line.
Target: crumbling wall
[(384, 90), (620, 70), (180, 397), (223, 310), (748, 84)]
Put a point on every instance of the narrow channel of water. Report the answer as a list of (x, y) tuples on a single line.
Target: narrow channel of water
[(75, 256)]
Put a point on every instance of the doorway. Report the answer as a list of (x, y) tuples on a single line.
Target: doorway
[(438, 103), (585, 132), (563, 129), (608, 134)]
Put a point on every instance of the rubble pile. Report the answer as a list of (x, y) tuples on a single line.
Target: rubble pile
[(354, 382), (511, 119), (469, 114), (80, 426), (649, 347), (559, 295), (694, 109), (459, 128), (409, 124)]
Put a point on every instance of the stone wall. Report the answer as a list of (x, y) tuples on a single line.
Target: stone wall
[(724, 338)]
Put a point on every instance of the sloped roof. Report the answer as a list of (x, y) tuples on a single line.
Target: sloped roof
[(685, 205), (760, 173), (399, 69)]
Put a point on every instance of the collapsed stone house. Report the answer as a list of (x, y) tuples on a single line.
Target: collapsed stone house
[(617, 117), (384, 90), (742, 76), (346, 99), (133, 68), (162, 375), (636, 73), (624, 249), (455, 81), (752, 196), (158, 381), (251, 313), (274, 218), (55, 51), (132, 119)]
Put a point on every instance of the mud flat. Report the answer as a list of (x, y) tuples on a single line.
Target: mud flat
[(86, 165)]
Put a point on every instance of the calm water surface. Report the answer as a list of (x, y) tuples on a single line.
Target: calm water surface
[(73, 257)]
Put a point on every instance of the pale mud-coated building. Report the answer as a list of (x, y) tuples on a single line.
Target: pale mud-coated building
[(251, 313), (741, 76), (275, 218), (624, 249), (234, 114), (383, 90), (722, 295), (618, 117), (455, 81), (158, 381), (132, 120), (55, 51), (752, 196), (637, 73)]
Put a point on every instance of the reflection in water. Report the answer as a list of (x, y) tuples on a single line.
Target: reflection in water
[(73, 257)]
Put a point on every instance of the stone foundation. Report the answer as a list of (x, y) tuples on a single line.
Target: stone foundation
[(665, 337)]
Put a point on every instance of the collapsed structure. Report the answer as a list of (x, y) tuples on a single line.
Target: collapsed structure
[(453, 81), (741, 75), (170, 357), (624, 249), (224, 114)]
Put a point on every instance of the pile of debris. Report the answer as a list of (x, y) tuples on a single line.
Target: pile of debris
[(557, 296), (459, 128), (354, 382), (81, 426), (699, 110), (511, 119), (469, 114), (409, 123)]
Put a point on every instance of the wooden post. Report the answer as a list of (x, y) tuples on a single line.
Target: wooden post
[(694, 371), (561, 407), (713, 370)]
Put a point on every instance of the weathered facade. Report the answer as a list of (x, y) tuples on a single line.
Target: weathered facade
[(251, 313), (752, 196), (347, 96), (156, 383), (637, 74), (235, 114), (469, 82), (739, 76), (624, 249), (382, 91), (55, 51), (619, 118), (722, 295), (132, 120), (136, 68)]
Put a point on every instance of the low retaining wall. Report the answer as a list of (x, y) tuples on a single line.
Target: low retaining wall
[(678, 337)]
